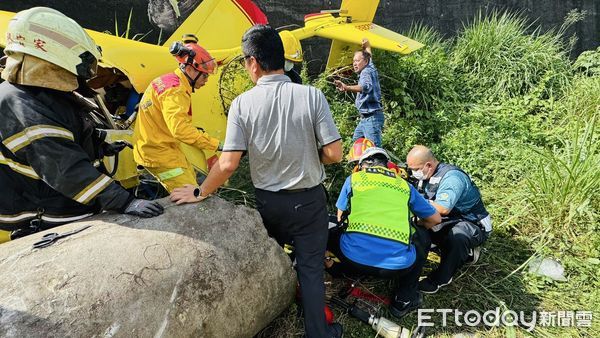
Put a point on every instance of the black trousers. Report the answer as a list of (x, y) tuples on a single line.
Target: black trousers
[(300, 218), (455, 241), (406, 280)]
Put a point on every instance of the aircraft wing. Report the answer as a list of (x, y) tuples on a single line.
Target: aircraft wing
[(353, 23), (379, 37), (347, 37)]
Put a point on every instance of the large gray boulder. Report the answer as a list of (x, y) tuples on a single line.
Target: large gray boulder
[(202, 270)]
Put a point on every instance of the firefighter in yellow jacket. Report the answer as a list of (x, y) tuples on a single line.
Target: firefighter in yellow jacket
[(164, 119)]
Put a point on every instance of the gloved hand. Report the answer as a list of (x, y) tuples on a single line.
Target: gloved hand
[(112, 149), (144, 208)]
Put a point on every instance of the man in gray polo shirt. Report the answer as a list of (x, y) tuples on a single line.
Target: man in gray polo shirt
[(288, 132)]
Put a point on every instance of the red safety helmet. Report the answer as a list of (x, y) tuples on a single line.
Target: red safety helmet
[(192, 54), (358, 148)]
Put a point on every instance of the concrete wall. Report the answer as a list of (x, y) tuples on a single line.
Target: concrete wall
[(447, 16)]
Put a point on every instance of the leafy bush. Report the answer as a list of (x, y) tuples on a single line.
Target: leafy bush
[(581, 100), (416, 85), (588, 63)]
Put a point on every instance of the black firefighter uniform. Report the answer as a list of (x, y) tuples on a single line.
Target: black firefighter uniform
[(48, 146)]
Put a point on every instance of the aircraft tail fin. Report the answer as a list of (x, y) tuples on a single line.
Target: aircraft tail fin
[(353, 22), (359, 10)]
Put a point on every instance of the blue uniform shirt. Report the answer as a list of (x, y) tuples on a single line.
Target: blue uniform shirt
[(369, 99), (456, 191), (380, 252)]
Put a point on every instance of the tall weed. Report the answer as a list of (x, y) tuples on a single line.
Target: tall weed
[(127, 31), (501, 56), (564, 190)]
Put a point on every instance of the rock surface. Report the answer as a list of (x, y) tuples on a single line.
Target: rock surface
[(203, 270)]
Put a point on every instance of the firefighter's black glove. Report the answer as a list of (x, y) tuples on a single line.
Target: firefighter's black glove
[(144, 208), (112, 149)]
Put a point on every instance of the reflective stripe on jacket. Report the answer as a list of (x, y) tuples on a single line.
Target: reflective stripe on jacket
[(47, 147), (379, 204), (164, 120)]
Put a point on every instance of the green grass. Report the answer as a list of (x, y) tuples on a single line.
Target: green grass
[(502, 55), (504, 102), (127, 31), (564, 191)]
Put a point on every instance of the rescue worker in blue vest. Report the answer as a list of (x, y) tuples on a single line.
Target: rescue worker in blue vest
[(48, 142), (466, 224), (381, 240)]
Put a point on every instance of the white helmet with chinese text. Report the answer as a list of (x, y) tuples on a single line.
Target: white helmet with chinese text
[(52, 36)]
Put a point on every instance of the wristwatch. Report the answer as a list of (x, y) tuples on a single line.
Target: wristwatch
[(198, 192)]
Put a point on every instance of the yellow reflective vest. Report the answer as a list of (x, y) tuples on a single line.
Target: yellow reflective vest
[(164, 119), (379, 203)]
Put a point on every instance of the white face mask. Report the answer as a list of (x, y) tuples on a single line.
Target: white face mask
[(288, 65), (418, 174)]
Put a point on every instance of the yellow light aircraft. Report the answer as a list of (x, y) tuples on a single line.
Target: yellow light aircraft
[(128, 66)]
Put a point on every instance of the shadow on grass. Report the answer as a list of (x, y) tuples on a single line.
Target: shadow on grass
[(493, 282)]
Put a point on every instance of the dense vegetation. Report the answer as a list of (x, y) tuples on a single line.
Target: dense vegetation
[(504, 102)]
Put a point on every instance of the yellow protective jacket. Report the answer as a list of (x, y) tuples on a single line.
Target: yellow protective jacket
[(165, 119)]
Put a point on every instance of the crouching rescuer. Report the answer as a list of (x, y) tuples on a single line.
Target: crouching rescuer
[(466, 224), (48, 142), (381, 240)]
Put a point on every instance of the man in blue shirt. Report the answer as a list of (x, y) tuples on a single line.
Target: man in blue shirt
[(368, 97), (380, 239), (466, 223)]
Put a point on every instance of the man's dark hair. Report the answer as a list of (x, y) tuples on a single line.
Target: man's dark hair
[(366, 55), (264, 43), (376, 160)]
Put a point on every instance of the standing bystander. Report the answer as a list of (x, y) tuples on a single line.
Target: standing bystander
[(288, 132), (368, 95)]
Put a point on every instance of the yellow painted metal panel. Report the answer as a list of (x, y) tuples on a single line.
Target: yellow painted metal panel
[(127, 173), (380, 38), (359, 10), (4, 236), (218, 24), (4, 19)]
